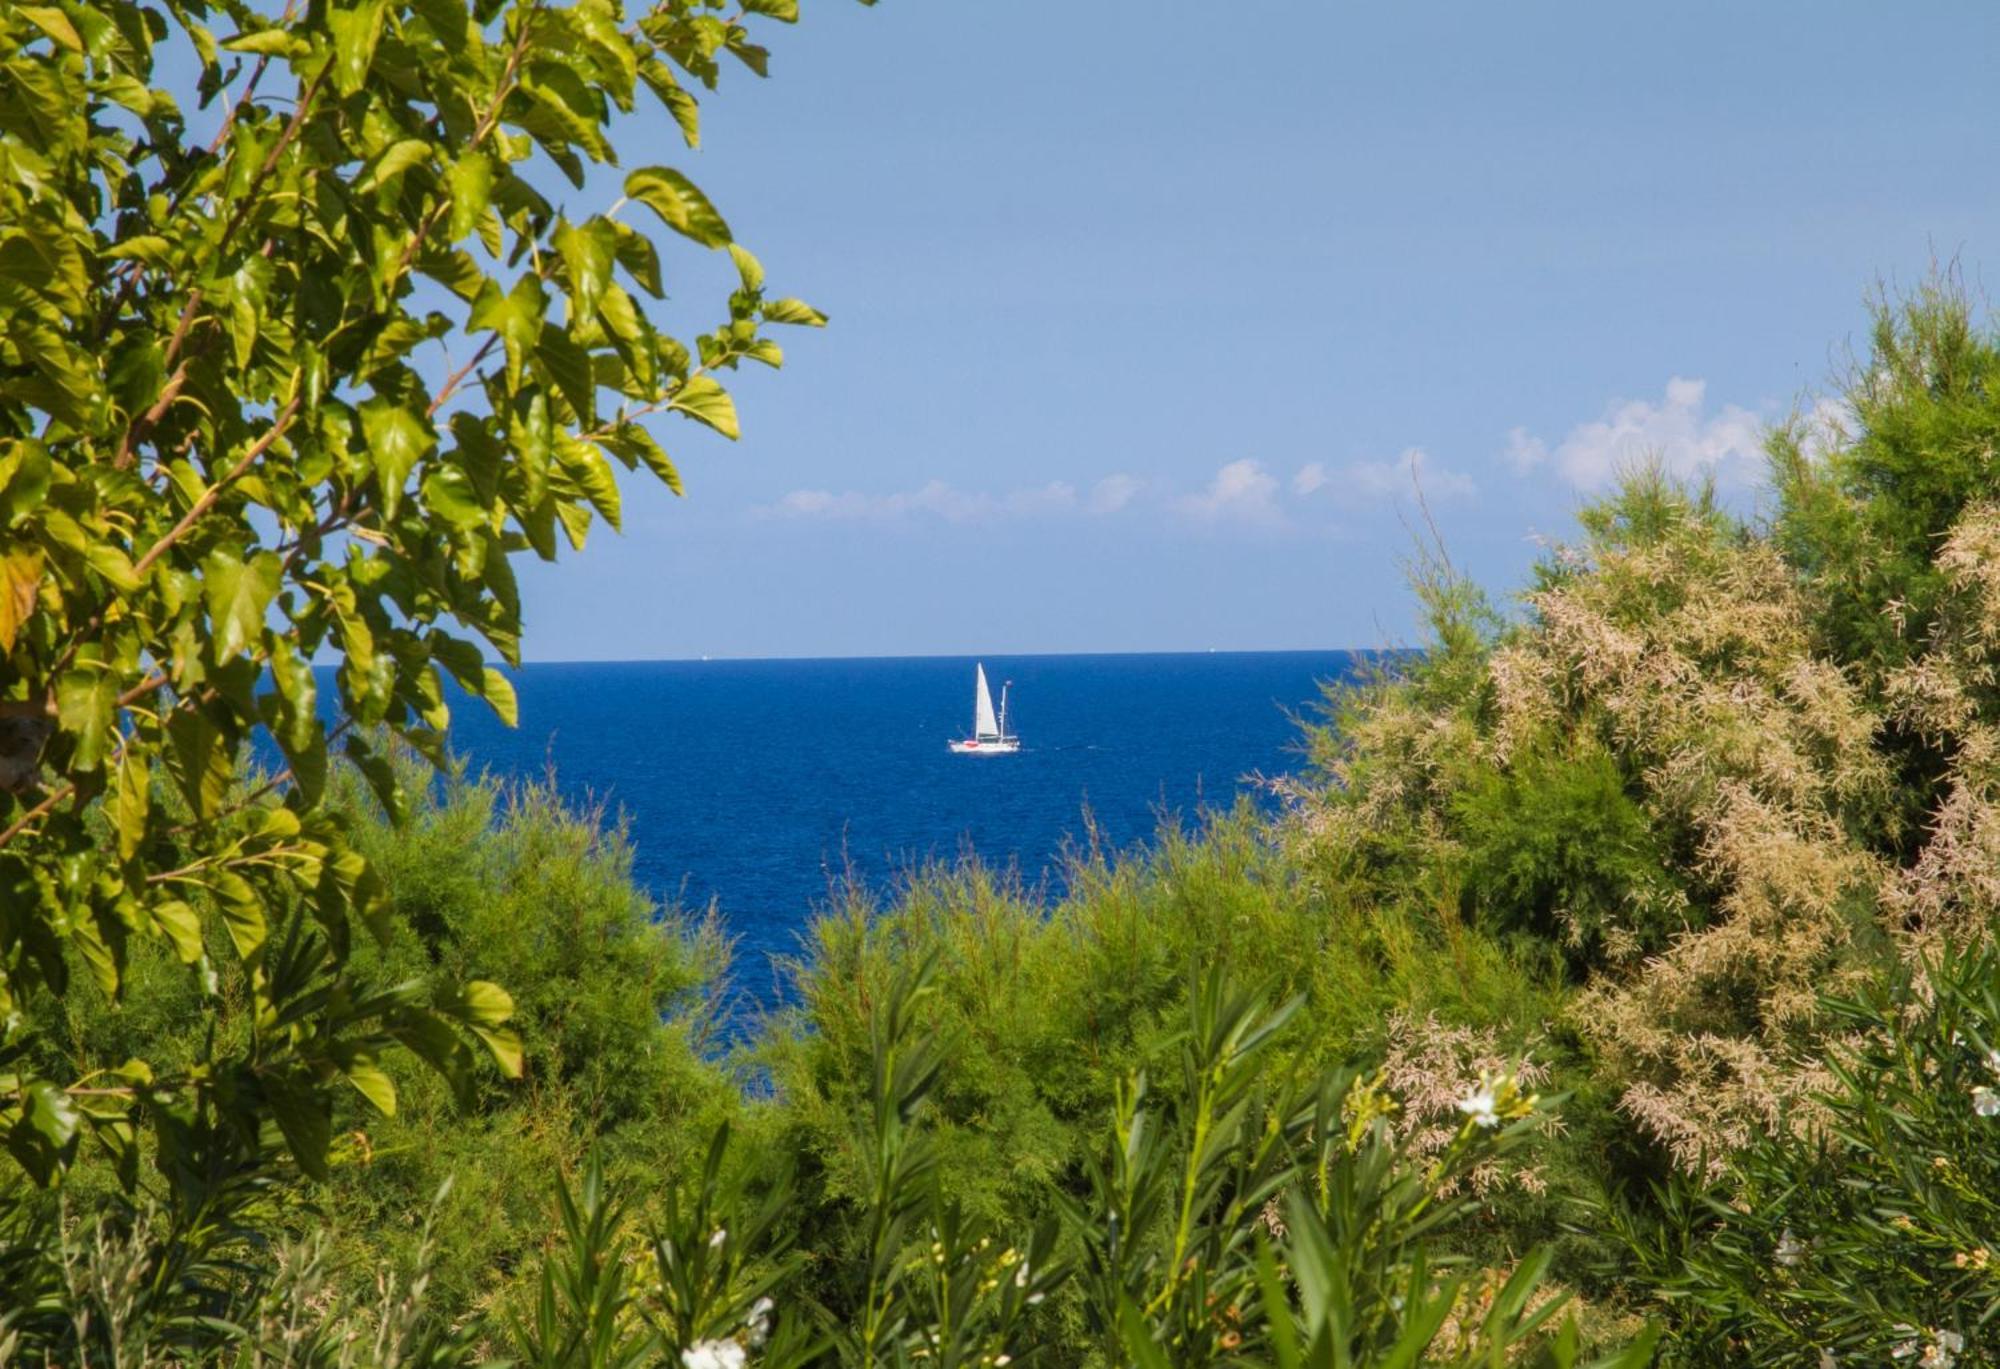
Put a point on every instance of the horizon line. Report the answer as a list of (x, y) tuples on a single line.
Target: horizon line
[(972, 655)]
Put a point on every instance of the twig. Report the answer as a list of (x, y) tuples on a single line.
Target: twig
[(210, 495)]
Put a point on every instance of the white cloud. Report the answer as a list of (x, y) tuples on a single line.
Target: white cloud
[(1242, 490), (1113, 493), (1677, 431), (1405, 475), (947, 503)]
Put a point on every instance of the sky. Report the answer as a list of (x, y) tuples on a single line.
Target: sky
[(1144, 315)]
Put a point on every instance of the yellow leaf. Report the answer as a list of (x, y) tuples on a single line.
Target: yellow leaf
[(20, 576)]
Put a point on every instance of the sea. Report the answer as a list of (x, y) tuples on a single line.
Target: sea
[(754, 786)]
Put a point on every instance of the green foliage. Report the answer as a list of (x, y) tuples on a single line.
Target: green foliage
[(140, 1288), (1863, 521), (1867, 1227), (1556, 847), (615, 1006), (300, 394)]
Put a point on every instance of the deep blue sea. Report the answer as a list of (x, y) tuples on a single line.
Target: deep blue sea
[(750, 784)]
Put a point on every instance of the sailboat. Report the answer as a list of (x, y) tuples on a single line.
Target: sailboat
[(989, 734)]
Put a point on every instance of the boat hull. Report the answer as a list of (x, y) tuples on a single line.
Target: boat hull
[(991, 746)]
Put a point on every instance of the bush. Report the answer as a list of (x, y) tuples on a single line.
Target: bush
[(1862, 1228), (1557, 848)]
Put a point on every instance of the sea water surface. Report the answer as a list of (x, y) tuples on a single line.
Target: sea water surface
[(751, 784)]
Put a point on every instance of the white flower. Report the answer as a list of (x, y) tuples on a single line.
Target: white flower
[(760, 1320), (1943, 1351), (1826, 1360), (1985, 1101), (1790, 1250), (715, 1241), (713, 1354), (1479, 1107), (1021, 1275)]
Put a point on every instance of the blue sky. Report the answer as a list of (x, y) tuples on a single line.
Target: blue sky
[(1141, 313)]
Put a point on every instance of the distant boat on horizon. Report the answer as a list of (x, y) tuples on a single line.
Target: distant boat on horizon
[(989, 733)]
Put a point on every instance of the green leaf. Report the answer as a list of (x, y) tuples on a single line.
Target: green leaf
[(703, 399), (584, 464), (86, 707), (504, 1045), (292, 674), (199, 761), (484, 1002), (397, 158), (471, 180), (54, 23), (150, 248), (747, 267), (271, 42), (448, 492), (516, 316), (566, 363), (499, 692), (786, 11), (301, 1113), (24, 480), (634, 443), (51, 1113), (356, 29), (113, 564), (238, 594), (242, 911), (97, 952), (639, 257), (587, 253), (131, 802), (679, 203), (793, 311), (178, 923), (686, 110), (396, 438), (374, 1085)]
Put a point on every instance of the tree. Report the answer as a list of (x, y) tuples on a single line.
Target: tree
[(298, 392)]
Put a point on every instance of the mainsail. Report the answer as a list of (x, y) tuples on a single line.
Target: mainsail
[(983, 723)]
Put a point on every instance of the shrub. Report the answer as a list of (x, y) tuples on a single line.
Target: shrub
[(1863, 1233), (1556, 847)]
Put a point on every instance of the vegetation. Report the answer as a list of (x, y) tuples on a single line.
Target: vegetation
[(298, 392), (1618, 985)]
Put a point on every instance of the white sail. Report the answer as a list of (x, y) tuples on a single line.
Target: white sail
[(983, 723)]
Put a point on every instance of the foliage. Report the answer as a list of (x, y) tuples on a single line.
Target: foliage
[(1866, 1236), (1268, 1217), (1861, 517), (1704, 837), (1555, 846), (616, 1006), (139, 1288), (300, 394)]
